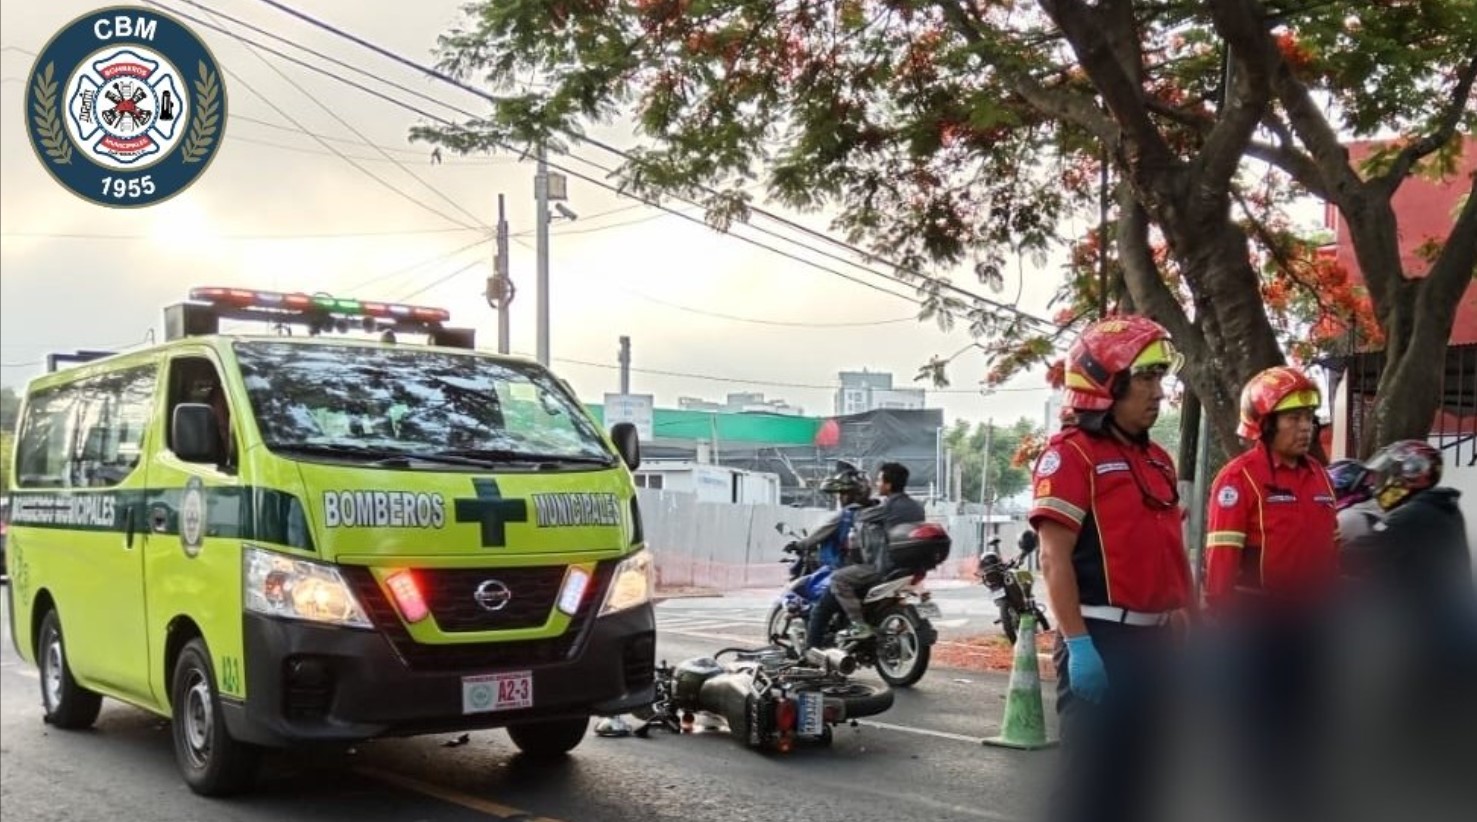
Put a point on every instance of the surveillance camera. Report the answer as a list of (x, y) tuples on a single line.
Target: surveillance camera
[(565, 212)]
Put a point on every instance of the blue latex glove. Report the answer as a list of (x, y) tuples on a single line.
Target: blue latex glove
[(1085, 668)]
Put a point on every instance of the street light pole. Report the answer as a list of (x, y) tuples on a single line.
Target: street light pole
[(541, 211)]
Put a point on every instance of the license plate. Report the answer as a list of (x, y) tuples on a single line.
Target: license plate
[(497, 692), (929, 610), (812, 714)]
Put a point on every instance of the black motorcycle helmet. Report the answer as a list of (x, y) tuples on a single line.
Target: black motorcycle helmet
[(688, 679), (849, 484)]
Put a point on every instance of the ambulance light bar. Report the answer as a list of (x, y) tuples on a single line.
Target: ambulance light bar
[(318, 304)]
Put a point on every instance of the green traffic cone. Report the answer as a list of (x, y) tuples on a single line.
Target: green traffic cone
[(1025, 720)]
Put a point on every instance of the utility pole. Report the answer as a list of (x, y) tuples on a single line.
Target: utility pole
[(985, 496), (541, 202), (625, 360), (502, 287)]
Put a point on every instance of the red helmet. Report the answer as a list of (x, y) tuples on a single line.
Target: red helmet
[(1403, 468), (1273, 390), (1106, 350)]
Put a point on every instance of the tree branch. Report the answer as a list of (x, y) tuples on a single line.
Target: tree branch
[(1141, 276), (1294, 162), (1085, 31), (1445, 129), (1243, 25), (1243, 105), (1072, 108)]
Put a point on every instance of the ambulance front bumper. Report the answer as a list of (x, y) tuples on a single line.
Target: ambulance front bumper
[(313, 683)]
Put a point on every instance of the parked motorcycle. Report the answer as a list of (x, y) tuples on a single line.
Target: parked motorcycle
[(899, 608), (1011, 586), (766, 696)]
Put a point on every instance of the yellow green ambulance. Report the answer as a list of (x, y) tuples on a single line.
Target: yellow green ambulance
[(305, 535)]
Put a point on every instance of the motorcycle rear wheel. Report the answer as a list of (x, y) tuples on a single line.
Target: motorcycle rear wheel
[(782, 627), (898, 626)]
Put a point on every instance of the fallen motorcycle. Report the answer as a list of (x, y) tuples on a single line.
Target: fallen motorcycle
[(765, 696)]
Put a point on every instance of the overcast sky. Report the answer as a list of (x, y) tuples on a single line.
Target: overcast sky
[(278, 210)]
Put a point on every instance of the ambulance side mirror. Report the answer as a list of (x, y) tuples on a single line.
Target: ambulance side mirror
[(627, 443), (194, 434)]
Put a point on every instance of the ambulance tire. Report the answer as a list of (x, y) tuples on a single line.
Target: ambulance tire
[(549, 739), (211, 762), (68, 706)]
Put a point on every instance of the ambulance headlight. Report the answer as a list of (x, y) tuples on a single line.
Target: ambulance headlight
[(283, 586), (632, 584)]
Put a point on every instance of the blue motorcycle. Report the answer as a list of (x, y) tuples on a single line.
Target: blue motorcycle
[(900, 609)]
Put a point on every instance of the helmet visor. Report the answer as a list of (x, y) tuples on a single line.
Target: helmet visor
[(1306, 398), (1158, 357)]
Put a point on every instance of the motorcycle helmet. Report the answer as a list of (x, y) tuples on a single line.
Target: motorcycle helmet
[(991, 569), (1401, 469), (688, 679), (1350, 480), (1271, 392), (1108, 353), (848, 483)]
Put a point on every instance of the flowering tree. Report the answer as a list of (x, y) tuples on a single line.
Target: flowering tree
[(948, 134)]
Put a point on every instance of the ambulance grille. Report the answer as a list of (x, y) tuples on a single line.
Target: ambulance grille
[(474, 656)]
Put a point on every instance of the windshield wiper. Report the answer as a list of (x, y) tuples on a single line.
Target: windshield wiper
[(379, 457), (508, 455)]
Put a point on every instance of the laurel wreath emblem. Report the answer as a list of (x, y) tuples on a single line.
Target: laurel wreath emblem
[(206, 121), (48, 123)]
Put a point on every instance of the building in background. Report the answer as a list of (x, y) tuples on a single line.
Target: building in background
[(747, 402), (710, 483), (863, 391)]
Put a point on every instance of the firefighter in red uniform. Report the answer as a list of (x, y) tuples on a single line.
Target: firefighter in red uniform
[(1107, 510), (1272, 567)]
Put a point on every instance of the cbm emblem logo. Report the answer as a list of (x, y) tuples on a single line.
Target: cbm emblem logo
[(126, 107)]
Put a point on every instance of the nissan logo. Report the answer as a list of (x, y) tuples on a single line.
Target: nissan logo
[(492, 595)]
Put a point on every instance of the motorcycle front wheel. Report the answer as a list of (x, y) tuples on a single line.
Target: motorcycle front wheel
[(861, 699), (902, 655), (1010, 621), (781, 627)]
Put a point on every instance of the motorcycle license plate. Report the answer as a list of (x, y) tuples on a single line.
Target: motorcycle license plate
[(812, 714), (929, 610), (487, 693)]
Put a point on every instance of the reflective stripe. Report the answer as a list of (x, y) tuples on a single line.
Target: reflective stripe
[(1063, 507), (1228, 539)]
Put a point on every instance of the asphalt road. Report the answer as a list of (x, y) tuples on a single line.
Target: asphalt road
[(922, 759)]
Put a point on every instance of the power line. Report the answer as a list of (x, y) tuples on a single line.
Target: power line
[(265, 99), (773, 383), (413, 266), (395, 149), (758, 321), (350, 126), (438, 281), (599, 183), (446, 78)]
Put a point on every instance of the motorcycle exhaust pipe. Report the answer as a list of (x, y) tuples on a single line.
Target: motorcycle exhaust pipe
[(832, 659)]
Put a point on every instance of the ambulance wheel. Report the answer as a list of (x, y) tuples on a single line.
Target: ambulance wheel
[(68, 705), (549, 739), (211, 762)]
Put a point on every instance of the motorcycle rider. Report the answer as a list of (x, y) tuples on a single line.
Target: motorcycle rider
[(1421, 588), (852, 491), (850, 583), (1272, 567), (1106, 508)]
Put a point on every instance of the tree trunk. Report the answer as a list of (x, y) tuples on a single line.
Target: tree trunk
[(1189, 436)]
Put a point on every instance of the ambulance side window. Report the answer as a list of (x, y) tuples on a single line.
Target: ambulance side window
[(47, 433), (113, 413), (196, 380)]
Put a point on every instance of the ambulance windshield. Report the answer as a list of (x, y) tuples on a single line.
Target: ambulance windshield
[(414, 403)]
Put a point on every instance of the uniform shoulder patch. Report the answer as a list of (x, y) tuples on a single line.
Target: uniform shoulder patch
[(1050, 462), (1228, 497)]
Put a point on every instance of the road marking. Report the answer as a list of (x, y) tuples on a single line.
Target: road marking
[(455, 797), (746, 640), (886, 726)]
